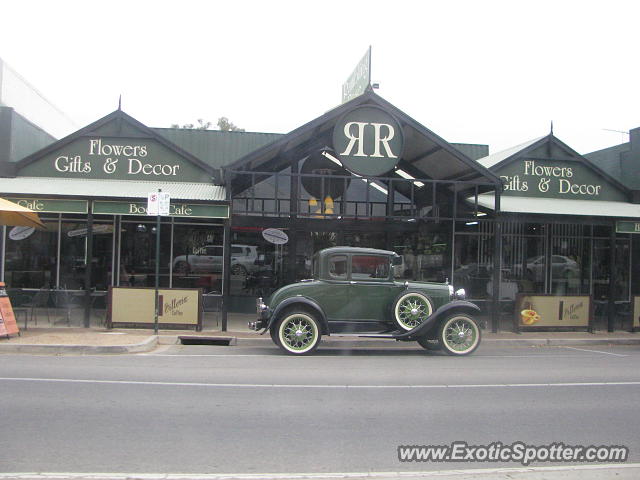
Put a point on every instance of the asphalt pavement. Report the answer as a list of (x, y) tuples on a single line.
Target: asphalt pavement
[(248, 410)]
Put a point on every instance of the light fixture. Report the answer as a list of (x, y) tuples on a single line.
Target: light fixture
[(141, 228), (407, 176), (471, 223)]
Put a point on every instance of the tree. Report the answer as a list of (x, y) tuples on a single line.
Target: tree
[(224, 125), (202, 125)]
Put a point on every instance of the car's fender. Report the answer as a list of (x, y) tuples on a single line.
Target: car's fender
[(308, 303), (433, 319)]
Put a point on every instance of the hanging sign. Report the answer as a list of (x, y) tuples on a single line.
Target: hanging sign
[(20, 233), (8, 325), (275, 236)]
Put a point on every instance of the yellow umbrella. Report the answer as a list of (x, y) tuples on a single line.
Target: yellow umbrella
[(14, 214)]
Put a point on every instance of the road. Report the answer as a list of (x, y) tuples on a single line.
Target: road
[(212, 409)]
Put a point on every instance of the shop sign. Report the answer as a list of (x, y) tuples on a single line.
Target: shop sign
[(8, 324), (275, 236), (20, 233), (96, 230), (557, 179), (136, 306), (42, 205), (359, 80), (368, 141), (193, 210), (551, 311), (116, 158), (624, 226)]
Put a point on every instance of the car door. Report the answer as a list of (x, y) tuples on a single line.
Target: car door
[(332, 293), (372, 291)]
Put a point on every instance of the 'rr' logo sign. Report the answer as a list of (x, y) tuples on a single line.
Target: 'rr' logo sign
[(368, 141)]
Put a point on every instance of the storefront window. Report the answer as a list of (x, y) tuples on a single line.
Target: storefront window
[(524, 261), (426, 254), (138, 252), (258, 267), (570, 260), (198, 256), (30, 256)]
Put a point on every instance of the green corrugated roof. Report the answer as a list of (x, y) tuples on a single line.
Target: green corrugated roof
[(214, 147), (608, 159), (472, 150)]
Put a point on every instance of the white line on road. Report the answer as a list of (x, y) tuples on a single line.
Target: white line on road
[(320, 386), (598, 351), (316, 476)]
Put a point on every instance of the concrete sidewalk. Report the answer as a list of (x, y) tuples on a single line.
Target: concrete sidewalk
[(87, 341)]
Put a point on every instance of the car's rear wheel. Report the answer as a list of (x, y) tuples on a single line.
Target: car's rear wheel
[(459, 334), (298, 332), (181, 268), (432, 344), (410, 309)]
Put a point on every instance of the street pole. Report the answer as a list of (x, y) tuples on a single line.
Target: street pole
[(155, 321)]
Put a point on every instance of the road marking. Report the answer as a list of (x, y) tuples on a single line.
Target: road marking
[(319, 386), (316, 476), (598, 351)]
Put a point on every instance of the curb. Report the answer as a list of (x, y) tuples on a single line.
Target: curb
[(149, 344)]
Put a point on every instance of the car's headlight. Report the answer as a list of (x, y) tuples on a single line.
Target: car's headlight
[(460, 294), (260, 306)]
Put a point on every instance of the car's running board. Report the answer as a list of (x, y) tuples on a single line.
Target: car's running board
[(360, 335)]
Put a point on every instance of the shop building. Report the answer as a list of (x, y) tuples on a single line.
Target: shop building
[(538, 220)]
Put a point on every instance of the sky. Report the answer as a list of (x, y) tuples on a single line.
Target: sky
[(489, 72)]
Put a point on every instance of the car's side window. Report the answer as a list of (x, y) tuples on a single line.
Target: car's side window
[(338, 267), (369, 267)]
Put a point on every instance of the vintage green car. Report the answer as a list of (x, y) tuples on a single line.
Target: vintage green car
[(353, 292)]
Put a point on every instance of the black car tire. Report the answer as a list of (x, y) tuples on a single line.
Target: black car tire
[(239, 270), (459, 334), (432, 344), (182, 268), (411, 308), (298, 332)]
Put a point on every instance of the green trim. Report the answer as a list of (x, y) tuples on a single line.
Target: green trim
[(623, 226), (47, 205), (188, 210)]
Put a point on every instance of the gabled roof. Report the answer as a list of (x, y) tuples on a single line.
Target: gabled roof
[(426, 155), (111, 125), (499, 160), (498, 157)]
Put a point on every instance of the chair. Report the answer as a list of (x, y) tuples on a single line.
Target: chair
[(212, 303), (20, 303), (63, 299), (38, 301)]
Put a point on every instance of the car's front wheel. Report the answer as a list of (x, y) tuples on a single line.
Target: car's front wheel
[(459, 334), (298, 332), (410, 309)]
